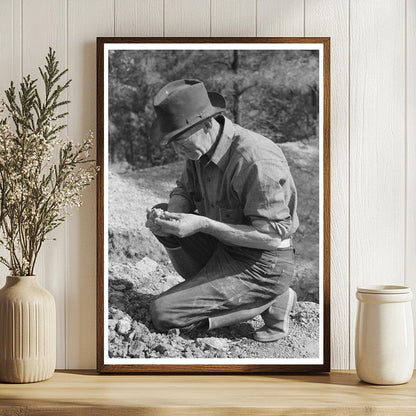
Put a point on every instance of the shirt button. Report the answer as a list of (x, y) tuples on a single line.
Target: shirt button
[(209, 180), (212, 206)]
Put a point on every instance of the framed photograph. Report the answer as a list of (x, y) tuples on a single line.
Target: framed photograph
[(213, 227)]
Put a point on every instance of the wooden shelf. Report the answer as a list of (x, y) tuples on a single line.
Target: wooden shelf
[(87, 393)]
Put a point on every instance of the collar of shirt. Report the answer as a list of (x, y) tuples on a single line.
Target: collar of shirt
[(221, 152)]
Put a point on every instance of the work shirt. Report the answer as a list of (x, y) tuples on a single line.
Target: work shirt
[(244, 177)]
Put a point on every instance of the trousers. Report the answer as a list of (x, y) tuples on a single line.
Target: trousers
[(230, 284)]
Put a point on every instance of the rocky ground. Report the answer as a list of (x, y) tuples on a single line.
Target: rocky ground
[(139, 270)]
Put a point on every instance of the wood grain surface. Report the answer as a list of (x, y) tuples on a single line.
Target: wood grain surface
[(85, 393), (373, 131)]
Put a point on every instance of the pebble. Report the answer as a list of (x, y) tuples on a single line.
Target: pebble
[(111, 335), (116, 313), (161, 348), (141, 331), (188, 354), (137, 348), (118, 350), (141, 336), (174, 332), (123, 326), (216, 344), (112, 323)]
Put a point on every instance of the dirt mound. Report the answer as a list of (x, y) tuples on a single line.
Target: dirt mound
[(139, 269), (131, 333)]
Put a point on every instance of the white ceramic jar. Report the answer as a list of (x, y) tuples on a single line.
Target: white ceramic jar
[(384, 342)]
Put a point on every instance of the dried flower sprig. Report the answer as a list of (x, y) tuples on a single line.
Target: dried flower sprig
[(37, 193)]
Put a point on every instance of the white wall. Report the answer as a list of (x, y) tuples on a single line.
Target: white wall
[(373, 132)]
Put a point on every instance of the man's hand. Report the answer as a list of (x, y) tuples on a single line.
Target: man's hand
[(151, 215), (181, 225)]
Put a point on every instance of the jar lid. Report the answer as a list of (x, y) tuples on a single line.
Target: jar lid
[(384, 289)]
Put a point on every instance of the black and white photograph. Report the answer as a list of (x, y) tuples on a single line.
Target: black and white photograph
[(211, 234)]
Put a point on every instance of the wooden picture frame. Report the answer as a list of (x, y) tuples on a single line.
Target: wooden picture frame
[(224, 365)]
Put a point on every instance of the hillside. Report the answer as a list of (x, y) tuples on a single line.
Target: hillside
[(139, 269)]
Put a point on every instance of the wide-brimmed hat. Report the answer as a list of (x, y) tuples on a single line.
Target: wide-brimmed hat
[(181, 105)]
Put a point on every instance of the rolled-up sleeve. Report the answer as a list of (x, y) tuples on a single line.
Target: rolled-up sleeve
[(267, 192), (185, 186)]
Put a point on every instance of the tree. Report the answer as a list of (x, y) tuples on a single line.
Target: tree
[(275, 93)]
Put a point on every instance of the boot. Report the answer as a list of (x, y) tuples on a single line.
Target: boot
[(276, 318)]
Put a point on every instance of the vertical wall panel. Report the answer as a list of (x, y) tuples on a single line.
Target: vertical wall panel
[(233, 18), (280, 18), (86, 21), (138, 17), (411, 151), (187, 18), (10, 66), (377, 137), (44, 26), (330, 18), (10, 44)]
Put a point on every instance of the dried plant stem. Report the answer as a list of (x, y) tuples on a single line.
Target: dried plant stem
[(36, 194)]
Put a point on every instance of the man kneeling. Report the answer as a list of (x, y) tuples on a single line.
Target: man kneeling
[(229, 223)]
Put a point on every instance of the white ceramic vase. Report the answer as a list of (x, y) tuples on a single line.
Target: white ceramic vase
[(384, 343), (27, 331)]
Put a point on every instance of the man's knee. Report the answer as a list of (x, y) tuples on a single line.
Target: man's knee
[(161, 315), (165, 315)]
